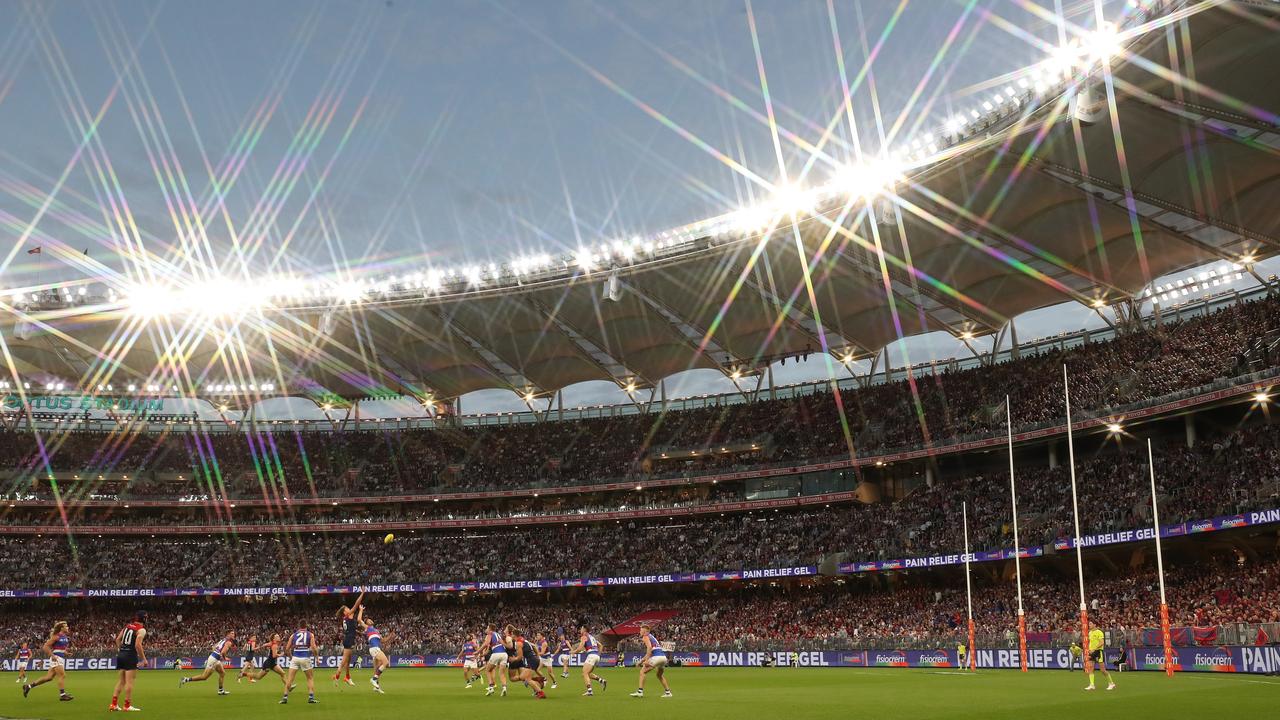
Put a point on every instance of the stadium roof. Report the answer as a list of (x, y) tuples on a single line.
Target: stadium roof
[(1085, 195)]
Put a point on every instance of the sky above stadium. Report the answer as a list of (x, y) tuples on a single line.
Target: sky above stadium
[(390, 135)]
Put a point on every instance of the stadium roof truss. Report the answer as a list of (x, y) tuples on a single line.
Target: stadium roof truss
[(1058, 204)]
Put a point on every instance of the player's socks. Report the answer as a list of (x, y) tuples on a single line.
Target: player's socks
[(311, 698), (115, 700)]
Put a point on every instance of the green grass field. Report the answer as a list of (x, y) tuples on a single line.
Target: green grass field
[(703, 693)]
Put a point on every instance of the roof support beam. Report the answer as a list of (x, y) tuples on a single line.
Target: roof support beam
[(1049, 169), (696, 338), (490, 362), (903, 293), (806, 324), (1151, 225), (1202, 114), (995, 235), (589, 351)]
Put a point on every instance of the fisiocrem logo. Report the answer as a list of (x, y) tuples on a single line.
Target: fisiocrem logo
[(1234, 522), (893, 659), (1202, 526), (1212, 659)]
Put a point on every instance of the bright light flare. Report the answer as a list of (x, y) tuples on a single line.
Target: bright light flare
[(868, 179), (1102, 44)]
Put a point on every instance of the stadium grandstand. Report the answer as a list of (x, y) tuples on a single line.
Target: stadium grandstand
[(960, 514)]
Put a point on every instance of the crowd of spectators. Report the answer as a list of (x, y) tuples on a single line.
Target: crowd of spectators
[(917, 611), (929, 408), (1234, 473)]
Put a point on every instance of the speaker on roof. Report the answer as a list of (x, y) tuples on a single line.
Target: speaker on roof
[(612, 286), (1089, 106), (326, 323)]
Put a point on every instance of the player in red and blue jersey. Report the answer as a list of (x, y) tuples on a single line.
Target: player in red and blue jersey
[(303, 650), (218, 656), (349, 624), (467, 656), (587, 644), (655, 658), (270, 661), (523, 661), (373, 638), (56, 648), (130, 655), (23, 661)]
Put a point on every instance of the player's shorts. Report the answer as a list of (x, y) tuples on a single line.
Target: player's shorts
[(269, 662), (302, 664), (24, 665), (469, 664), (592, 659), (1096, 656), (564, 659), (657, 660), (496, 659), (127, 661), (212, 663), (544, 661), (57, 661), (376, 653), (348, 642), (520, 664)]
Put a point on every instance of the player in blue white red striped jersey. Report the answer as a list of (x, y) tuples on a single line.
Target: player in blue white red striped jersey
[(655, 659), (56, 648), (467, 656), (566, 654), (218, 656), (302, 656), (23, 661), (373, 638), (494, 651), (587, 644), (543, 645)]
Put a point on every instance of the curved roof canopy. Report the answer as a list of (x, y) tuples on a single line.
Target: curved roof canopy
[(1088, 197)]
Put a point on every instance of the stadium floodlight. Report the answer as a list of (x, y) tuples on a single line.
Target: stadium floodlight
[(868, 178), (1247, 259), (1261, 398), (584, 259), (1102, 44), (1115, 428), (791, 199), (955, 124)]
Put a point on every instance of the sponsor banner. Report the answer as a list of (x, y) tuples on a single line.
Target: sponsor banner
[(937, 560), (721, 575), (1263, 659), (1261, 517), (1195, 527)]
